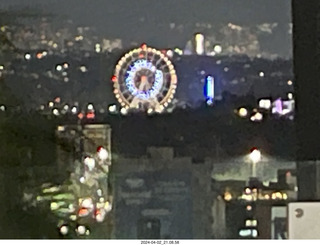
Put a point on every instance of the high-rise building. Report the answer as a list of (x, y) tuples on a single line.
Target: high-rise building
[(306, 47)]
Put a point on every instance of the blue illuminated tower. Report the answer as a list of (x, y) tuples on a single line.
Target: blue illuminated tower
[(209, 90)]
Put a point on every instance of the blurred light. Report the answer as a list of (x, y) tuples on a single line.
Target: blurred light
[(209, 89), (98, 48), (249, 223), (289, 82), (217, 49), (103, 154), (99, 192), (57, 100), (83, 68), (2, 108), (90, 115), (247, 190), (226, 69), (73, 217), (261, 74), (256, 117), (74, 110), (83, 212), (55, 112), (59, 67), (107, 206), (112, 108), (90, 163), (265, 104), (27, 56), (81, 230), (64, 230), (80, 115), (82, 179), (61, 128), (243, 112), (123, 111), (178, 51), (284, 196), (255, 155), (90, 107), (254, 233), (87, 203), (199, 44), (1, 67), (114, 79), (227, 196), (267, 197), (54, 206), (290, 96), (39, 55), (169, 53), (249, 208)]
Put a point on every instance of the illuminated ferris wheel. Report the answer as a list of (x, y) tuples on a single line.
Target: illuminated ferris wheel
[(144, 79)]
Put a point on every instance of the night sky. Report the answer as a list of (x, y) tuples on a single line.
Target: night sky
[(149, 20)]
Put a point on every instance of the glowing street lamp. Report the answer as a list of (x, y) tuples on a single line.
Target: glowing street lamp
[(255, 157)]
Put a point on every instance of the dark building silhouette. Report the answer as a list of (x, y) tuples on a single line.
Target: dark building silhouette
[(306, 47)]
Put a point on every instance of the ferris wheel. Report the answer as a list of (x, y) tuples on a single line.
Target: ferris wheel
[(144, 79)]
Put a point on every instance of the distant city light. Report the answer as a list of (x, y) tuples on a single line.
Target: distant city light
[(74, 110), (59, 67), (261, 74), (257, 117), (103, 154), (2, 108), (226, 69), (51, 104), (89, 162), (243, 112), (199, 44), (81, 230), (98, 48), (178, 51), (1, 67), (123, 111), (27, 56), (55, 112), (265, 104), (90, 107), (169, 53), (217, 49), (290, 96), (64, 230), (255, 155), (83, 68), (227, 196), (289, 82), (112, 108)]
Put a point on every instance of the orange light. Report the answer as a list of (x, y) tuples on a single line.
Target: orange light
[(90, 115), (83, 212), (141, 56), (80, 115)]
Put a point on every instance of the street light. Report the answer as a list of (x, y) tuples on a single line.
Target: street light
[(255, 157)]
